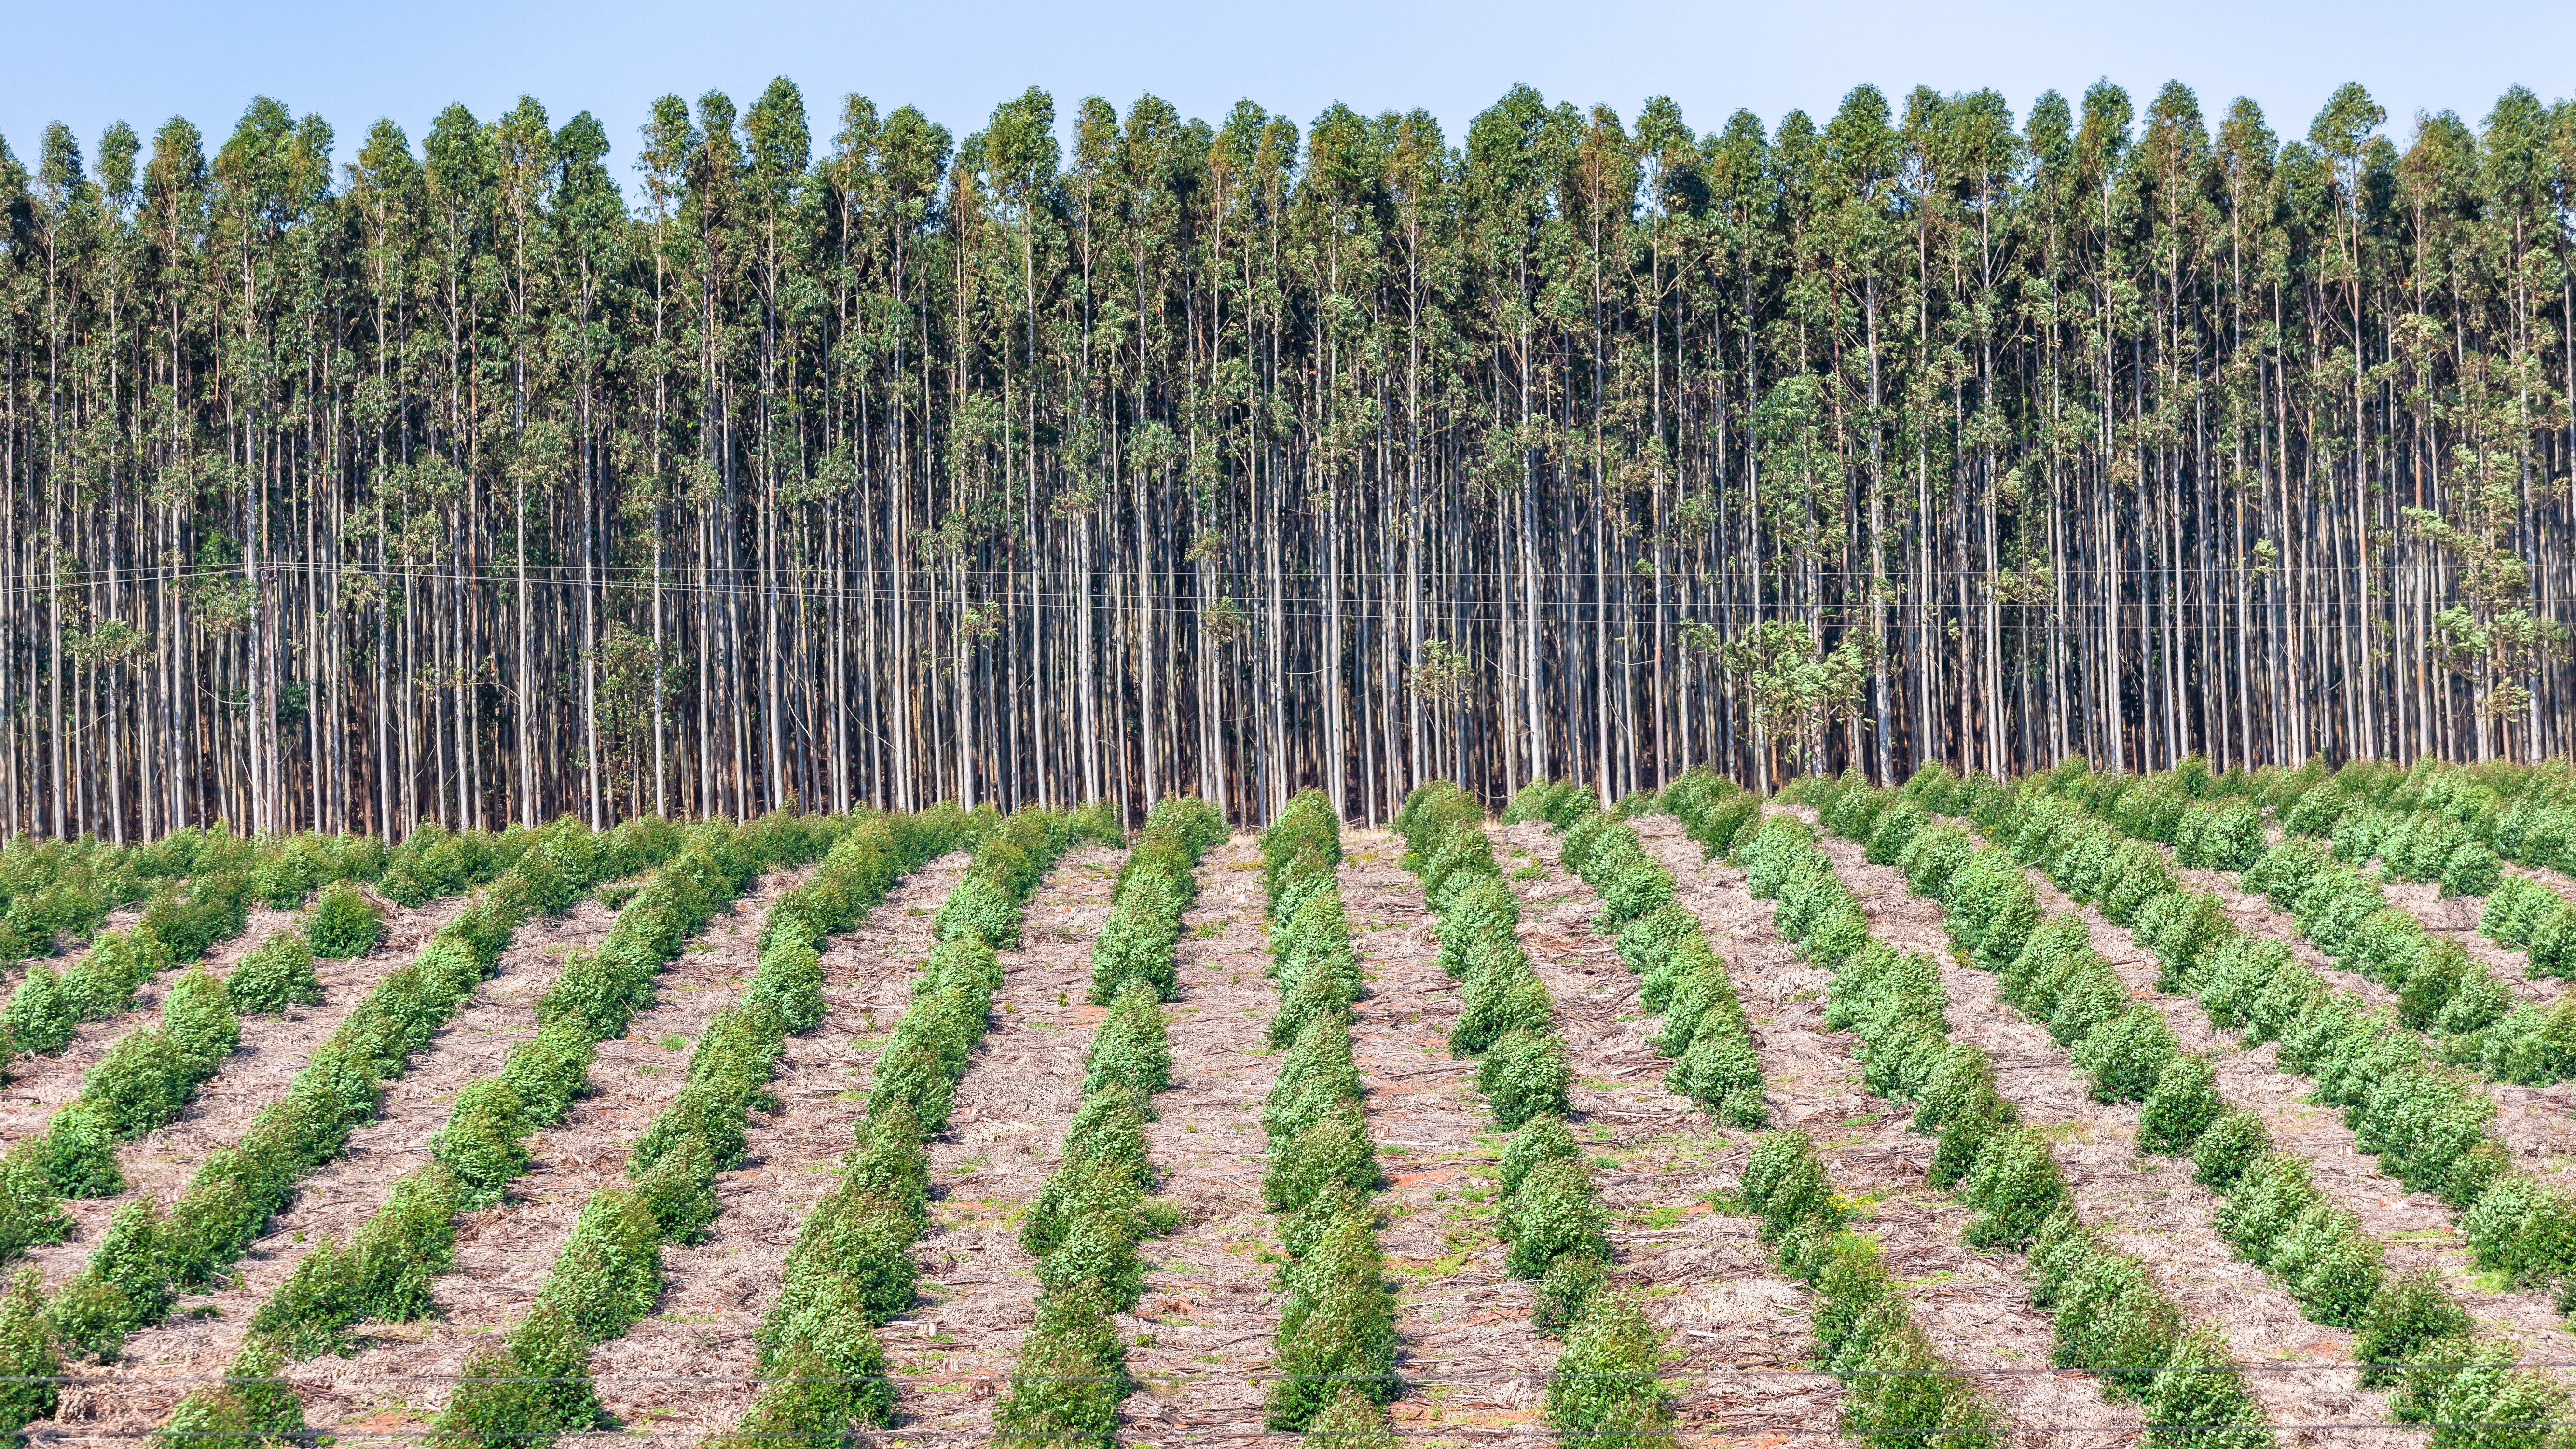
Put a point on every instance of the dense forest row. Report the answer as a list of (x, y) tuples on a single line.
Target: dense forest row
[(837, 460)]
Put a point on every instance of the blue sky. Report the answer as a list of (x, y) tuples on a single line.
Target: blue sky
[(89, 64)]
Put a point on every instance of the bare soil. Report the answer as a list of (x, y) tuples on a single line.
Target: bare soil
[(688, 1372), (2538, 1124), (2417, 1228), (1205, 1328), (2148, 1206), (978, 1286), (203, 1332), (38, 1086), (1473, 1366), (272, 1050), (504, 1252), (1737, 1330)]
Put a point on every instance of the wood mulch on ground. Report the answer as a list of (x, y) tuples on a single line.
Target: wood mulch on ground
[(2537, 1124), (202, 1333), (1974, 1306), (1473, 1366), (2147, 1206), (2416, 1228), (979, 1288), (1204, 1330), (1736, 1328), (273, 1049), (687, 1372), (39, 1085)]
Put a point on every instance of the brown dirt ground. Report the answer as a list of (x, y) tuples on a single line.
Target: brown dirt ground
[(2538, 1124), (272, 1050), (504, 1252), (1211, 1301), (2148, 1206), (2456, 917), (1736, 1328), (1473, 1367), (978, 1287), (685, 1373), (203, 1332), (2416, 1227), (1975, 1307), (40, 1085)]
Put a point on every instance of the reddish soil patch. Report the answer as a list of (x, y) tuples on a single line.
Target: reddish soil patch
[(1470, 1360), (1211, 1302), (2148, 1206), (978, 1287), (686, 1373)]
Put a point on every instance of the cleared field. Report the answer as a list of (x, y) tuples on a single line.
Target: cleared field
[(2072, 1112)]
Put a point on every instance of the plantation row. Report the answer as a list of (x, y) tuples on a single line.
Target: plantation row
[(2412, 1080)]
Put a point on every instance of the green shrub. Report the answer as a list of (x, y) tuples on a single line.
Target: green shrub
[(1540, 1139), (1503, 996), (2125, 1056), (2015, 1184), (1607, 1386), (2408, 1316), (2182, 1105), (2515, 908), (1722, 1072), (1337, 1328), (29, 1359), (1992, 908), (532, 1387), (2113, 1322), (1566, 1290), (1785, 1184), (483, 1141), (278, 974), (1334, 1149), (345, 923), (1555, 1211), (2329, 1265), (2523, 1228), (1131, 1048), (1071, 1375), (1523, 1074), (2198, 1400), (2553, 944)]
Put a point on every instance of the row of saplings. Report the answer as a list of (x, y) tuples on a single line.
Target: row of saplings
[(152, 1252), (2110, 1318), (1607, 1384), (1096, 1208), (2409, 1330), (2429, 1125), (852, 1268)]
